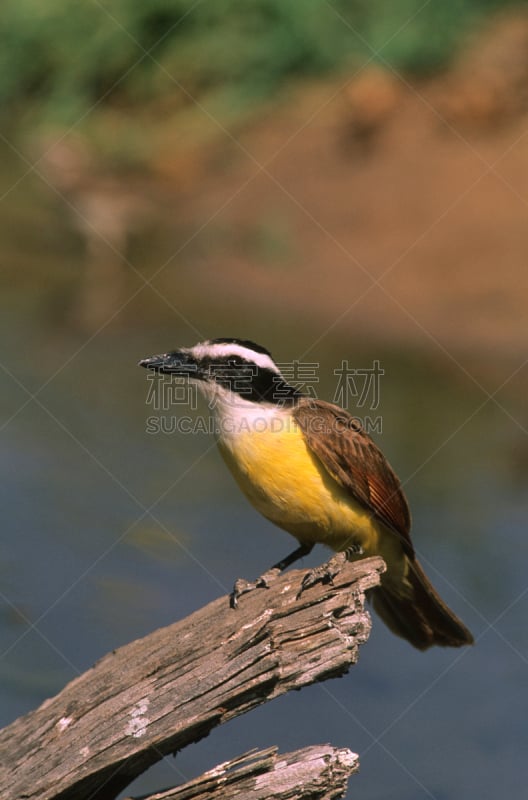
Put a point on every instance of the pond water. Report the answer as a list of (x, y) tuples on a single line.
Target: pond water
[(110, 531)]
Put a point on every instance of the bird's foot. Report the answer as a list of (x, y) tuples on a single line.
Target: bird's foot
[(352, 551), (323, 574), (242, 586)]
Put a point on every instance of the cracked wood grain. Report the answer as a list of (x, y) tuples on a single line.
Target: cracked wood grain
[(158, 694), (314, 773)]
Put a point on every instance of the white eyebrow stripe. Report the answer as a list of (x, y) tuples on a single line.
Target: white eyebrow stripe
[(221, 351)]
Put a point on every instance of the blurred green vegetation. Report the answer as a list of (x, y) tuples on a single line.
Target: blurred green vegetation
[(59, 58)]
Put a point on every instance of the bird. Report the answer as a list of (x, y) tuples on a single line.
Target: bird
[(310, 468)]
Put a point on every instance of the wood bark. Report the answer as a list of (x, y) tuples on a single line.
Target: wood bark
[(313, 773), (157, 694)]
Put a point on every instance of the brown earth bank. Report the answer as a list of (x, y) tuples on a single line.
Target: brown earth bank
[(374, 204)]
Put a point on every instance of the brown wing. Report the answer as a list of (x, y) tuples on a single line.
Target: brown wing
[(356, 463)]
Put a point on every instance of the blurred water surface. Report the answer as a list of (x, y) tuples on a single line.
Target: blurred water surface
[(110, 532)]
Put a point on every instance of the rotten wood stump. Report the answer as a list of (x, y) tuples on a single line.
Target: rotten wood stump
[(157, 694)]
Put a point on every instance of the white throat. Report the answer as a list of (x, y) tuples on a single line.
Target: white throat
[(235, 415)]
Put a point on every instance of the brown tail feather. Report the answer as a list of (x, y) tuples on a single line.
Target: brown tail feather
[(416, 612)]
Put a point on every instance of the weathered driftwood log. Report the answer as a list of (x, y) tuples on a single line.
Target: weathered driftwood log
[(313, 773), (156, 695)]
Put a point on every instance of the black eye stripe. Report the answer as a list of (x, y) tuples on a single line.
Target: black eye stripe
[(249, 381)]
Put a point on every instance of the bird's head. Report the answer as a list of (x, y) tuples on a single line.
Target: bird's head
[(228, 367)]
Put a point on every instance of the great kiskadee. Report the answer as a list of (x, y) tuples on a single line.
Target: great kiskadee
[(308, 466)]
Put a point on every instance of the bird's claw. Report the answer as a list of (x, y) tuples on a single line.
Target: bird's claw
[(242, 586), (353, 550), (323, 574)]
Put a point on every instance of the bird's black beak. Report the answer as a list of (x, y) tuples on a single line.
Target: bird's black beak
[(176, 363)]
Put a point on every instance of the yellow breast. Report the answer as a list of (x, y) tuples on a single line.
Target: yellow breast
[(288, 484)]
